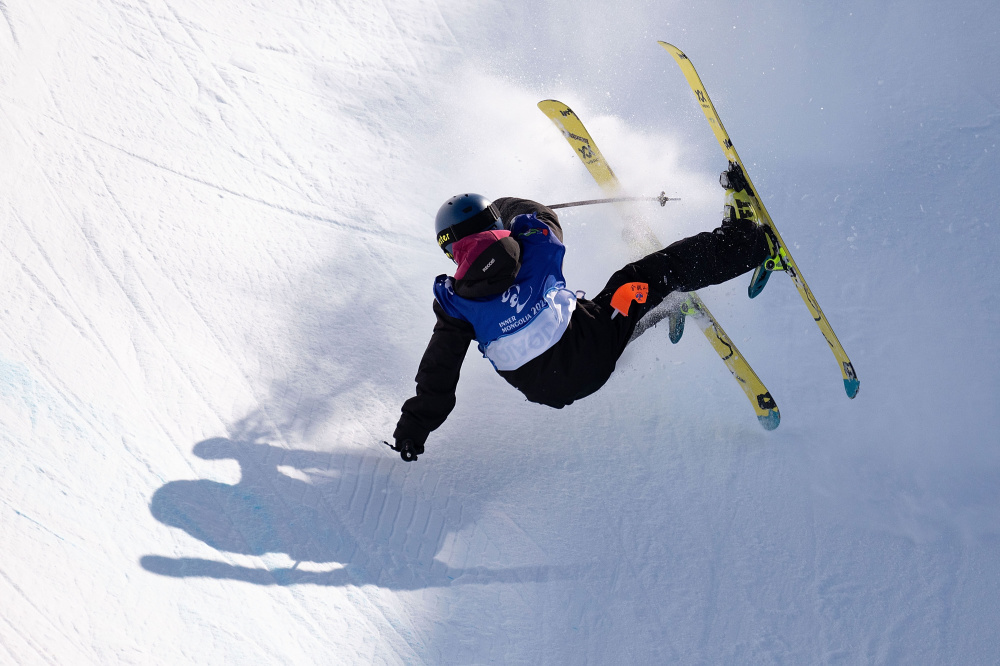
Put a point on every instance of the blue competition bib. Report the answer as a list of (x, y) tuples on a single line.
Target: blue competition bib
[(520, 324)]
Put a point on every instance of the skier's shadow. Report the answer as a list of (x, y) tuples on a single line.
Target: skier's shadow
[(344, 519)]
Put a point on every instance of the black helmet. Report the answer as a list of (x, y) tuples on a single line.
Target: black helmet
[(464, 215)]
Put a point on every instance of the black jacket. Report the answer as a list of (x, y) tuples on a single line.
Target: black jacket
[(441, 364)]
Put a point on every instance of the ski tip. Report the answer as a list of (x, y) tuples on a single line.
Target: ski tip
[(547, 104), (770, 420), (852, 386)]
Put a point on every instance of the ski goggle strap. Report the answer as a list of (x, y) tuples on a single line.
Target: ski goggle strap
[(485, 219)]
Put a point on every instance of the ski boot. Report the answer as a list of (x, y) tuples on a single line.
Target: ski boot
[(679, 310), (776, 261), (675, 325)]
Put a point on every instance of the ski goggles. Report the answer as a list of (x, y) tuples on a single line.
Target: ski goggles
[(486, 219)]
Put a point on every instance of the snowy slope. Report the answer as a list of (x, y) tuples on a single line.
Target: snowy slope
[(218, 258)]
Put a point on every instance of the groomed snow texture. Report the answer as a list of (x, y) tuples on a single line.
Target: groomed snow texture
[(216, 253)]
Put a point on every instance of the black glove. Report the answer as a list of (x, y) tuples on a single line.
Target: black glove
[(408, 449)]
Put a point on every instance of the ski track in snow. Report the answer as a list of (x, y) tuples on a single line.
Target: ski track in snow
[(215, 240)]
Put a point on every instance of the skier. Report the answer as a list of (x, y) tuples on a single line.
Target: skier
[(552, 344)]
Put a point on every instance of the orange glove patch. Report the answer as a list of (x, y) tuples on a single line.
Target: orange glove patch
[(625, 294)]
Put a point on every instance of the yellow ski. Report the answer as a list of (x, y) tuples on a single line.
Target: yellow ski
[(643, 241), (851, 383)]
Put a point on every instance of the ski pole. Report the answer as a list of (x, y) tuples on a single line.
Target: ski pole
[(662, 199)]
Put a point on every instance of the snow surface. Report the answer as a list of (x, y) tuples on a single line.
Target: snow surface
[(218, 255)]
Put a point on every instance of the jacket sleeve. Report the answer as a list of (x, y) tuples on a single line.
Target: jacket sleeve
[(437, 378), (511, 207)]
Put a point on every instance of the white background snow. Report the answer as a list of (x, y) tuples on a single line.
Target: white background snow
[(215, 223)]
